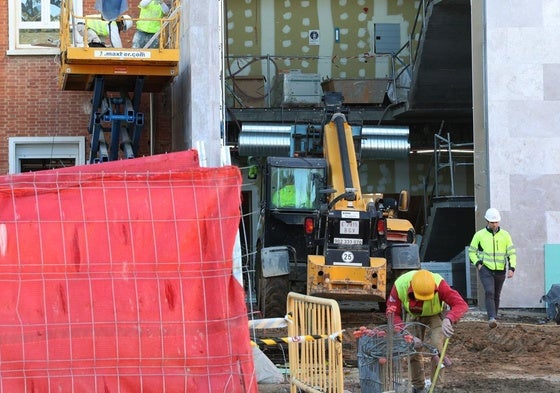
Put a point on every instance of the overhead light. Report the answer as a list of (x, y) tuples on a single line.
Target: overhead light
[(431, 151)]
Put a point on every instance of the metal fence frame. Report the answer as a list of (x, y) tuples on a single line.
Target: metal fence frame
[(315, 348)]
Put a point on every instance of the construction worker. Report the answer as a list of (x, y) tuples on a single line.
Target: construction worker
[(290, 195), (149, 23), (285, 197), (420, 295), (99, 29), (493, 253)]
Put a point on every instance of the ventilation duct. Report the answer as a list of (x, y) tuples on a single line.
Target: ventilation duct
[(265, 140), (382, 143), (262, 140)]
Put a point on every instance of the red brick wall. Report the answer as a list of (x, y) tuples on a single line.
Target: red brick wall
[(33, 105)]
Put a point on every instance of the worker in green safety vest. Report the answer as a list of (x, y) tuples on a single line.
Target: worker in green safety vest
[(290, 196), (99, 29), (430, 308), (149, 23), (285, 197)]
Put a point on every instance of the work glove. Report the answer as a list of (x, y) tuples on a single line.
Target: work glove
[(447, 327), (445, 363)]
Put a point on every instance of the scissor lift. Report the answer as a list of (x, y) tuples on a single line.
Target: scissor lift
[(117, 77)]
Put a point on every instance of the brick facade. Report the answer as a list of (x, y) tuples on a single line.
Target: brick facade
[(34, 105)]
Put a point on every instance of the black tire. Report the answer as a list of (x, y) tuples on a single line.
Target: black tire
[(272, 292), (273, 295)]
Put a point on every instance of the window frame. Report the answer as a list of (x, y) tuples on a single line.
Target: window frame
[(45, 147), (15, 24)]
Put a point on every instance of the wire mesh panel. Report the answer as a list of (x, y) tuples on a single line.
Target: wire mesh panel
[(117, 277), (383, 361), (384, 357), (315, 349)]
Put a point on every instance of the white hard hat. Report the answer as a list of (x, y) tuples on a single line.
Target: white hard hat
[(127, 22), (492, 215)]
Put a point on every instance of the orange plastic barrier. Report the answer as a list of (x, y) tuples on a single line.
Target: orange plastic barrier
[(117, 277)]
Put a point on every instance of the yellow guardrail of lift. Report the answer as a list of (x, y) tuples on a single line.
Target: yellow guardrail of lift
[(169, 33)]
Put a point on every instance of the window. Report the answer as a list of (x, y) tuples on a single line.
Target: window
[(34, 25), (37, 153), (295, 187)]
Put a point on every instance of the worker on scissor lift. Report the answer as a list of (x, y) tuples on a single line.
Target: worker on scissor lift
[(148, 23), (99, 29)]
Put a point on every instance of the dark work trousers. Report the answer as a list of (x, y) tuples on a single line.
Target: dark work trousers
[(492, 281)]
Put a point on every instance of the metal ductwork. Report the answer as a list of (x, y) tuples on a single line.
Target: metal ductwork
[(265, 140), (377, 142), (387, 142)]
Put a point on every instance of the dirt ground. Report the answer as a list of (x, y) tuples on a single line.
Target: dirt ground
[(520, 355)]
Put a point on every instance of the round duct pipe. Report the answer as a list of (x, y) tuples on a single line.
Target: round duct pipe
[(385, 142), (265, 140)]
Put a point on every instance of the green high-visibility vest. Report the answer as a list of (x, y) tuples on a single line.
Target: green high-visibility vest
[(151, 11), (101, 27), (429, 307)]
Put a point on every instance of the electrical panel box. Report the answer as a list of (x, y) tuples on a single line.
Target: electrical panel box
[(387, 38), (296, 88)]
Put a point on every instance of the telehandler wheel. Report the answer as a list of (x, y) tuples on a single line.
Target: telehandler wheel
[(272, 292), (273, 295)]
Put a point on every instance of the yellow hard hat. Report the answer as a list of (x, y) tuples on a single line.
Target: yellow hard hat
[(423, 285)]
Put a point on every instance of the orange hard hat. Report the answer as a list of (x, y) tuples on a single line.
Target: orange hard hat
[(423, 285)]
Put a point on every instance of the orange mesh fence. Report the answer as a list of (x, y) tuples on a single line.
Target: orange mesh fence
[(117, 277)]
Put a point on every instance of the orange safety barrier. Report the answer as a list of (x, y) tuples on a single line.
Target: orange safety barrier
[(117, 277), (315, 365)]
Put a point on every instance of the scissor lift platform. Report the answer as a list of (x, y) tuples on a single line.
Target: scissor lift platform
[(120, 68), (117, 77)]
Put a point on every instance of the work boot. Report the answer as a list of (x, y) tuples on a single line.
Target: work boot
[(492, 323)]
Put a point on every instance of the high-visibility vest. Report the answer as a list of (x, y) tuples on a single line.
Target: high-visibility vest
[(101, 27), (284, 197), (429, 307), (151, 11), (493, 249)]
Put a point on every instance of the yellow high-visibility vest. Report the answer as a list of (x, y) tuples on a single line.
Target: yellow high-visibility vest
[(151, 11)]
